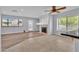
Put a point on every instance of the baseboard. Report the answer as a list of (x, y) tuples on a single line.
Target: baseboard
[(17, 32)]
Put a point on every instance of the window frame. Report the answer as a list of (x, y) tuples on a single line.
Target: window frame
[(8, 20)]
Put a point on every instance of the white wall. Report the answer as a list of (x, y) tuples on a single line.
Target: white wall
[(44, 19), (7, 30), (0, 31), (50, 24), (35, 26)]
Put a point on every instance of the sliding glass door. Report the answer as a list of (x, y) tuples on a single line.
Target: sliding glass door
[(72, 25), (68, 25), (30, 25), (61, 25)]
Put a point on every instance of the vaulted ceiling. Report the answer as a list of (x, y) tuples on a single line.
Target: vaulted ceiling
[(30, 11)]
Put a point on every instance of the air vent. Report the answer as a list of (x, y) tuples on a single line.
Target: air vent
[(14, 11)]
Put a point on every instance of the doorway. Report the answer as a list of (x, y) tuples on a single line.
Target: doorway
[(30, 25)]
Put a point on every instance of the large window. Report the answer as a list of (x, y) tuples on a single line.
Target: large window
[(69, 25), (61, 24), (72, 25), (4, 22), (30, 25), (11, 21)]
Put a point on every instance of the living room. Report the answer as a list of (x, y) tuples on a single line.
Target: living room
[(26, 24)]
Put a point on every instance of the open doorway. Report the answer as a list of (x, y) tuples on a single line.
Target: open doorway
[(30, 25)]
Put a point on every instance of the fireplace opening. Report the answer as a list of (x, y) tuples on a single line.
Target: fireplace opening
[(44, 29)]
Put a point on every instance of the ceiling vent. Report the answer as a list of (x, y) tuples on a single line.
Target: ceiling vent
[(14, 11)]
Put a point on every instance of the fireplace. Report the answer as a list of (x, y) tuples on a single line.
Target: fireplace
[(44, 29)]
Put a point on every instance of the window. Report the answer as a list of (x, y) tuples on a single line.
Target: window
[(4, 22), (72, 25), (61, 24), (68, 25), (30, 25), (20, 22), (11, 21)]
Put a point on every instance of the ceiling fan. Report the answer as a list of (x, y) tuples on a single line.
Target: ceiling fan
[(54, 9)]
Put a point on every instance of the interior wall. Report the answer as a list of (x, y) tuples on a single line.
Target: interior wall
[(50, 25), (0, 31), (7, 30), (44, 19), (35, 26)]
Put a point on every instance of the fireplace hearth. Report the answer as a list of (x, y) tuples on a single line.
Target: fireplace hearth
[(44, 29)]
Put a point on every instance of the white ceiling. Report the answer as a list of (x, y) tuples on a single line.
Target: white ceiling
[(29, 11)]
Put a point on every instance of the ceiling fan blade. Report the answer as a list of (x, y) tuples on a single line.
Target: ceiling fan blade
[(61, 8)]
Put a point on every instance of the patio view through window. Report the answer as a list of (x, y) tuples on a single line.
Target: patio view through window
[(69, 25)]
